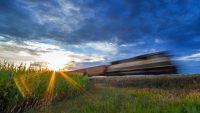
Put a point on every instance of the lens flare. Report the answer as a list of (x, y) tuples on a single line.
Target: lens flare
[(70, 80), (50, 89), (20, 88), (24, 83), (77, 86)]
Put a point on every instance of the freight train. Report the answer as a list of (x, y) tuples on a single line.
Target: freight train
[(154, 63)]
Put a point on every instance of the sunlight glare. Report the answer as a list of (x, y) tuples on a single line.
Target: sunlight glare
[(24, 83), (21, 89), (56, 60), (50, 89), (77, 86), (70, 80)]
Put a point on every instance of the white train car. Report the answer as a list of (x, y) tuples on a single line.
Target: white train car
[(154, 63)]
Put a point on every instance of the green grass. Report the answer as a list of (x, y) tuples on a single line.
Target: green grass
[(110, 99), (29, 91), (21, 89)]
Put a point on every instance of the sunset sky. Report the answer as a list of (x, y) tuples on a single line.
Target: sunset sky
[(95, 32)]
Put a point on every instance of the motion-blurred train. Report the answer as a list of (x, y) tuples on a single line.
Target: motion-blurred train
[(154, 63)]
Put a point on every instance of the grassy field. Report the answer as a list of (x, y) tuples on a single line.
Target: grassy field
[(155, 97), (22, 89), (43, 91), (109, 99)]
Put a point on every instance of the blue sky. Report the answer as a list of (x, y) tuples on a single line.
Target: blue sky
[(95, 32)]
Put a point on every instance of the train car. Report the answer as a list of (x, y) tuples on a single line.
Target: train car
[(154, 63), (92, 71)]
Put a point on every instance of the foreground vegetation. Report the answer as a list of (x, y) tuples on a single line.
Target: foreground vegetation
[(21, 88), (41, 91), (152, 94), (110, 99)]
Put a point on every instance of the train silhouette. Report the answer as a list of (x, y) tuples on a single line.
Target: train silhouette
[(153, 63)]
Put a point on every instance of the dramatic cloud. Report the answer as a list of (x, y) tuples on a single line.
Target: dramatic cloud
[(112, 29)]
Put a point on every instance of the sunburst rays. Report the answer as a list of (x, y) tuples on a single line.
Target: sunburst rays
[(50, 89), (27, 88), (24, 86), (77, 86), (70, 80), (20, 87)]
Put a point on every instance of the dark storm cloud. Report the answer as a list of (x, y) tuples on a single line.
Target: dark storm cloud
[(130, 21), (144, 26)]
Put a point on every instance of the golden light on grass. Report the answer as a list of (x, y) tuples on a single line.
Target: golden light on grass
[(20, 88), (26, 90), (24, 83), (77, 86), (70, 80), (50, 89)]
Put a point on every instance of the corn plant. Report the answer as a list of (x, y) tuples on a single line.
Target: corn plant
[(21, 87)]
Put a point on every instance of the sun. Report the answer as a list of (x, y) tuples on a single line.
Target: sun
[(55, 66), (56, 60)]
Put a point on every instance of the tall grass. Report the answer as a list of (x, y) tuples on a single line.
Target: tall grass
[(22, 88), (110, 99)]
